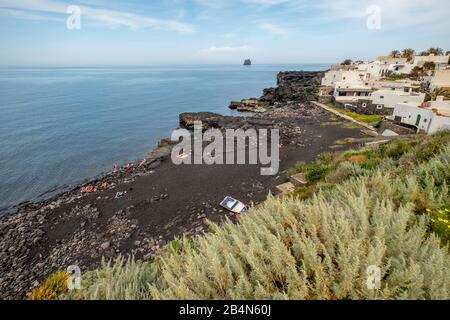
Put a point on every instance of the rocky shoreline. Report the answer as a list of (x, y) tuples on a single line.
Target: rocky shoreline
[(160, 201)]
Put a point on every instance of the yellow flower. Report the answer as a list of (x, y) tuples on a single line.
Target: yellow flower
[(432, 220), (448, 227), (428, 210)]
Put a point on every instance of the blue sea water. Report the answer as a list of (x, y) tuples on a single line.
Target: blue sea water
[(60, 126)]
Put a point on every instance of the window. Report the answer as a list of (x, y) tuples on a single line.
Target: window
[(425, 120), (364, 105), (379, 107), (381, 97)]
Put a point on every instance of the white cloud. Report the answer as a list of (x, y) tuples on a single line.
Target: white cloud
[(111, 18), (395, 14)]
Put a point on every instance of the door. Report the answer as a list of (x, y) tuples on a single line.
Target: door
[(419, 117)]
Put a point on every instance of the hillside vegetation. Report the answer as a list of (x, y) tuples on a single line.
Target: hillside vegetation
[(385, 206)]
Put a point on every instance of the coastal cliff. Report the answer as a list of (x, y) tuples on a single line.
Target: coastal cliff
[(292, 86)]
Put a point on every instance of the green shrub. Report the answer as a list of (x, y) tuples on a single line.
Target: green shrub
[(398, 148), (317, 172), (303, 193)]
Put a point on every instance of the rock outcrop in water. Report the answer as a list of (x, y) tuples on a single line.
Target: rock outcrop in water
[(248, 105), (208, 120)]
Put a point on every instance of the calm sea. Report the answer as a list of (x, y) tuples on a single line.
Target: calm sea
[(60, 126)]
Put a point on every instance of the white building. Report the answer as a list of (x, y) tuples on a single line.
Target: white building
[(430, 117), (400, 85), (390, 60), (351, 77), (441, 79), (374, 70), (348, 93), (437, 60), (402, 68), (390, 98)]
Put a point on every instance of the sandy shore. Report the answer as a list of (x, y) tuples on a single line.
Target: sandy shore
[(162, 201)]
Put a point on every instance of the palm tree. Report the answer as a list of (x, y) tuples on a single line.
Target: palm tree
[(443, 92), (408, 54), (395, 54)]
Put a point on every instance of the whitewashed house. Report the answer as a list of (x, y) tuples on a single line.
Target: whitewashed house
[(395, 65), (333, 77), (351, 93), (405, 85), (430, 117), (383, 102), (402, 68), (344, 85), (389, 98), (374, 70)]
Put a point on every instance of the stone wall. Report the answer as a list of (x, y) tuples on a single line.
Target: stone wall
[(369, 108), (401, 129), (325, 99)]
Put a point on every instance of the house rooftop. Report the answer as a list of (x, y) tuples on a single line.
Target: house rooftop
[(396, 92)]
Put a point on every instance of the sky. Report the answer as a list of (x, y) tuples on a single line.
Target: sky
[(145, 32)]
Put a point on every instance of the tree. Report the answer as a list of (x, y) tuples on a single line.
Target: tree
[(429, 65), (347, 62), (395, 54), (436, 51), (443, 92), (408, 54), (416, 73)]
